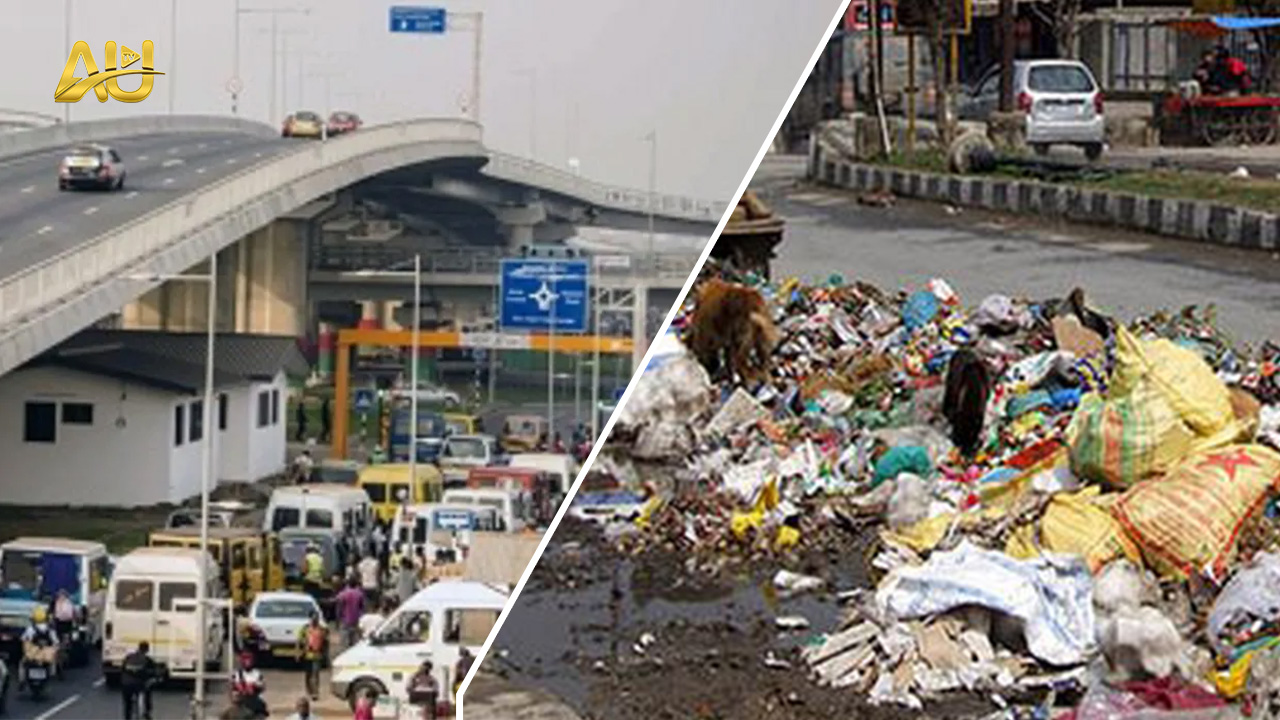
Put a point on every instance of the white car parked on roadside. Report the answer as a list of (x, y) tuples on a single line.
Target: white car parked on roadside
[(1060, 99)]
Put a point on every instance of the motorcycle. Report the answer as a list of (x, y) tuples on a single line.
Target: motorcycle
[(75, 643), (35, 675)]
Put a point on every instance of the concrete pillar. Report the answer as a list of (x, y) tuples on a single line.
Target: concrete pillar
[(271, 280), (518, 222), (639, 326), (145, 313)]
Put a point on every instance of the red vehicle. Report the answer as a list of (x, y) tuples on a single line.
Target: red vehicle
[(539, 486), (344, 122)]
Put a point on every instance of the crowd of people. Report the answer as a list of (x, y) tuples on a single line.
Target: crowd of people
[(1221, 73), (377, 578)]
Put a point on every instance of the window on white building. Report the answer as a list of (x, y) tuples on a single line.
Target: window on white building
[(179, 425), (77, 413), (275, 407), (222, 411), (197, 421), (41, 423), (264, 408)]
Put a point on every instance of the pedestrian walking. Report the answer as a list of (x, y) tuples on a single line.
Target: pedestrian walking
[(369, 580), (313, 643), (326, 420), (300, 419), (350, 607), (424, 690), (407, 580)]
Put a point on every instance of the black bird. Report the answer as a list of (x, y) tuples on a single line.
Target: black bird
[(964, 403), (1088, 318)]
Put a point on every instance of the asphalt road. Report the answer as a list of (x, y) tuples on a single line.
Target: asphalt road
[(38, 221), (84, 696), (980, 253)]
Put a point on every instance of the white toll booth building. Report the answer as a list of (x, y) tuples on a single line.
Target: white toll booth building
[(116, 417)]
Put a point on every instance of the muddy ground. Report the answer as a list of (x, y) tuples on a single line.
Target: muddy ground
[(652, 635)]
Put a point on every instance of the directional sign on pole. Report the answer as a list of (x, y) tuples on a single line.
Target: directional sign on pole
[(363, 400), (534, 292), (410, 19)]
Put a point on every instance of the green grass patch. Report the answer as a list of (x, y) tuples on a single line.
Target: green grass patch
[(120, 529)]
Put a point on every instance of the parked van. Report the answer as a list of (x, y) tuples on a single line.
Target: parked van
[(152, 599), (461, 453), (250, 560), (513, 515), (388, 487), (34, 569), (432, 625), (337, 507), (560, 465), (433, 527)]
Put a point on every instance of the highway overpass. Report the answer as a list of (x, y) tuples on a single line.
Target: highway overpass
[(197, 185)]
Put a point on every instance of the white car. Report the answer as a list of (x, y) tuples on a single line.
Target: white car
[(1060, 99), (91, 166), (281, 616), (429, 394)]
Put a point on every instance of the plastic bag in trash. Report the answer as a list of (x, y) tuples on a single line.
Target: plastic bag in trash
[(1052, 596), (1252, 596)]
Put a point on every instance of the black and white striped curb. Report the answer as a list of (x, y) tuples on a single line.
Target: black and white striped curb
[(1201, 220)]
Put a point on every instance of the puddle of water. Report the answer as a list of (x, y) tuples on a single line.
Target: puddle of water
[(554, 637)]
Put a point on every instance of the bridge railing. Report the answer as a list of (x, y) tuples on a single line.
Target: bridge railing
[(94, 261), (562, 182), (58, 135), (357, 257)]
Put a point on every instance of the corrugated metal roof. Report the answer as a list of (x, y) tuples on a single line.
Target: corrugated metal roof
[(176, 361)]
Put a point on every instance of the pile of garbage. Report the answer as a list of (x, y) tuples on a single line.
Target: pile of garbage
[(1068, 514)]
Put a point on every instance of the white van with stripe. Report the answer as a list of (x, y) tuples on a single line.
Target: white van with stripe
[(152, 599)]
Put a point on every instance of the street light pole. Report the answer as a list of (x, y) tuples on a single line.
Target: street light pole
[(66, 31), (416, 335), (275, 14), (208, 434), (235, 71), (653, 184), (173, 52), (477, 42), (595, 364)]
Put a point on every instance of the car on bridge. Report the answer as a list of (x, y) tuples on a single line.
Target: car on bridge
[(344, 122), (303, 124), (91, 166)]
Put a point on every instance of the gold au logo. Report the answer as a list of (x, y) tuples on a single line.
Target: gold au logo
[(106, 83)]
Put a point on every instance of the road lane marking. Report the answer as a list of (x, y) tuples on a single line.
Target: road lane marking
[(202, 146), (200, 171), (231, 161), (44, 229), (257, 154), (174, 151), (28, 188), (91, 210), (132, 194), (143, 158), (171, 162), (168, 181), (59, 707), (99, 682)]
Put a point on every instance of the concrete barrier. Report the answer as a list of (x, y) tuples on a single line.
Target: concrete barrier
[(1186, 218), (57, 136), (49, 302)]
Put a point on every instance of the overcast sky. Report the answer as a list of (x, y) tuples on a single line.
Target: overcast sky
[(709, 75)]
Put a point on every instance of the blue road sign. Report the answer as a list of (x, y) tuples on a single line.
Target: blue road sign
[(363, 400), (537, 292), (410, 19)]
